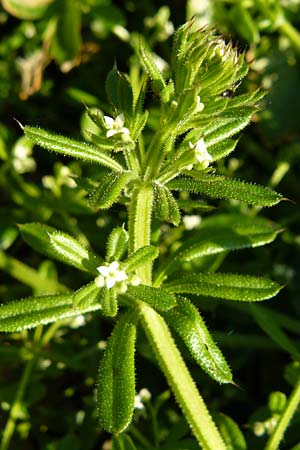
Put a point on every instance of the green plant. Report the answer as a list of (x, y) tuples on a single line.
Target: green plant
[(153, 176)]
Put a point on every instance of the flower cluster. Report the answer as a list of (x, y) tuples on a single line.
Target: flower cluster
[(202, 155), (116, 126), (111, 275)]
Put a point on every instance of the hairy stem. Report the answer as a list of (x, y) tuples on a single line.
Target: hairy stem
[(286, 417), (160, 337), (140, 226), (180, 380)]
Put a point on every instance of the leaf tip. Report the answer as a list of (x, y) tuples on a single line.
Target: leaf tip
[(19, 123)]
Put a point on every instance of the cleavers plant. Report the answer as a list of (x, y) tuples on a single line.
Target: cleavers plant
[(200, 112)]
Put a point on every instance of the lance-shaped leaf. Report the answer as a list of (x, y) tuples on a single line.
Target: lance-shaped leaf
[(60, 246), (116, 380), (33, 311), (158, 298), (226, 232), (221, 149), (226, 286), (141, 257), (188, 323), (273, 329), (109, 190), (232, 435), (119, 91), (87, 296), (70, 147), (165, 205), (117, 244), (222, 187), (157, 80)]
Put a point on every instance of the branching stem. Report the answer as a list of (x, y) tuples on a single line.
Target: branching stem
[(290, 409)]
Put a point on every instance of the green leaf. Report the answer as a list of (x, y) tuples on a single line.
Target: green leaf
[(221, 149), (245, 24), (116, 379), (109, 302), (165, 206), (222, 187), (70, 147), (188, 323), (270, 326), (67, 39), (109, 191), (117, 244), (225, 285), (60, 246), (87, 296), (232, 435), (227, 125), (119, 91), (26, 9), (158, 298), (157, 80), (141, 257), (30, 312), (226, 232)]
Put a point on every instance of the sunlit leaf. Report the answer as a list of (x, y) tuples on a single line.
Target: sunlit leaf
[(225, 285), (109, 190), (188, 323), (60, 246), (222, 187), (30, 312), (69, 147), (158, 298)]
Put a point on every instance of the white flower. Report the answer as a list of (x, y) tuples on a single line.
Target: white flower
[(110, 275), (202, 155), (143, 396), (191, 222), (115, 126), (135, 280)]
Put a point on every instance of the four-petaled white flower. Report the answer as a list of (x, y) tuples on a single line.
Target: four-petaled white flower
[(110, 275), (202, 155), (115, 126)]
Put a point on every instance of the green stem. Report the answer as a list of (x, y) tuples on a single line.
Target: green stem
[(140, 226), (155, 154), (15, 409), (180, 380), (286, 417), (29, 276), (291, 33), (132, 161)]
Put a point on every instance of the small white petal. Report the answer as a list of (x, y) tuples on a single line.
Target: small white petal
[(124, 130), (119, 121), (114, 265), (120, 275), (104, 270), (135, 280), (110, 282), (111, 133), (109, 121)]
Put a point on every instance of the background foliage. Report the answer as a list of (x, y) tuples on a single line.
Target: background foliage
[(46, 75)]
